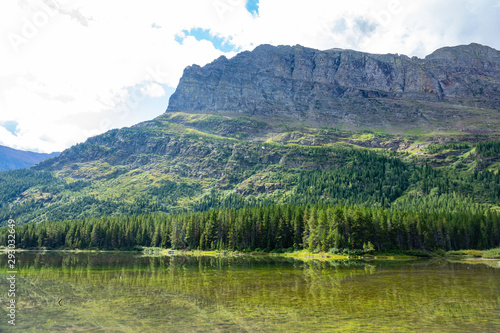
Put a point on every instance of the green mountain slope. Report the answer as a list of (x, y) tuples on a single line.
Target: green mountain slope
[(192, 162)]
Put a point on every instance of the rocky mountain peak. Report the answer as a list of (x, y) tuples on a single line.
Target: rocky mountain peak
[(303, 82), (473, 55)]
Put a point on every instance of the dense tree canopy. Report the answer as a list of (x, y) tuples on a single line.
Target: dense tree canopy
[(314, 227)]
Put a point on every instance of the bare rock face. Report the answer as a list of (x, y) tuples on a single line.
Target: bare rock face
[(297, 80)]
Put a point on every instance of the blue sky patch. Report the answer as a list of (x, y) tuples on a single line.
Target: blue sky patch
[(220, 43), (253, 7), (10, 126)]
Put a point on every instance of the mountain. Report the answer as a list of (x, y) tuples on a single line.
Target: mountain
[(11, 159), (454, 88), (289, 125)]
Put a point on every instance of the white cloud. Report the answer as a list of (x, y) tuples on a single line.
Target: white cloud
[(153, 90), (64, 61)]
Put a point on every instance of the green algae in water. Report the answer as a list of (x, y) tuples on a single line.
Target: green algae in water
[(122, 292)]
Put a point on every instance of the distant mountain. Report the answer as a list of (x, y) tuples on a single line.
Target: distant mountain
[(12, 159), (454, 88)]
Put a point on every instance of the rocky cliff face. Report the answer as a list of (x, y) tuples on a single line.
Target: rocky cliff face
[(303, 81)]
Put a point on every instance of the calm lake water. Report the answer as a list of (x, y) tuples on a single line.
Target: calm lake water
[(126, 292)]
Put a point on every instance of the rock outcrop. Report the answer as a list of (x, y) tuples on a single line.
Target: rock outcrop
[(301, 81)]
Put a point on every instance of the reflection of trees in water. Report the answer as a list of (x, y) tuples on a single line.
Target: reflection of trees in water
[(242, 292), (206, 279)]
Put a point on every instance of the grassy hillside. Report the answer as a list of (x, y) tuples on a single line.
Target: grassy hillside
[(186, 161)]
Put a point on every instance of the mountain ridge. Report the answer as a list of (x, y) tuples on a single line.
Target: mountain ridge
[(345, 87), (12, 159)]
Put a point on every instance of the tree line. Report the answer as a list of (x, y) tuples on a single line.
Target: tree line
[(274, 227)]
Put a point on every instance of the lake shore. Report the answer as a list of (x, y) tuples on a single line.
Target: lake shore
[(301, 254)]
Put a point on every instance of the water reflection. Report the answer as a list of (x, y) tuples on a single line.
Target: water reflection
[(124, 292)]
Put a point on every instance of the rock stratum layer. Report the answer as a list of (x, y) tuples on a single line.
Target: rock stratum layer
[(452, 88)]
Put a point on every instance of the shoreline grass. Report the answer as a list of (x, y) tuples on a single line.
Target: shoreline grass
[(491, 254)]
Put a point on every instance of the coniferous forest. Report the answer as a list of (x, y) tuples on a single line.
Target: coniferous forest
[(277, 227)]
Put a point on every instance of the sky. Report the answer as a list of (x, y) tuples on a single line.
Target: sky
[(71, 69)]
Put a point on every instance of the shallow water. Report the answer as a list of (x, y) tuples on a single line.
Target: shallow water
[(126, 292)]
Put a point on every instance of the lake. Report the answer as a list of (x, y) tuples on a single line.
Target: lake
[(129, 292)]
